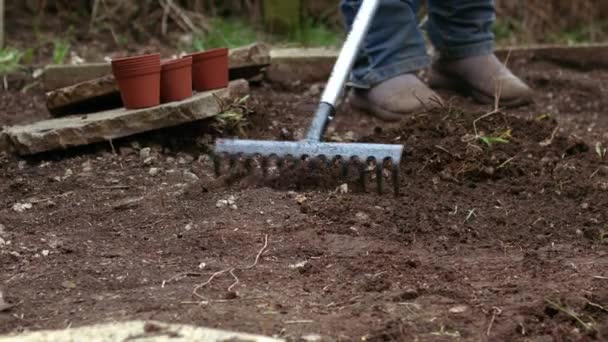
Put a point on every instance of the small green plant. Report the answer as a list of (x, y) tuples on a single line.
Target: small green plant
[(61, 49), (10, 60), (502, 138), (542, 117), (233, 117)]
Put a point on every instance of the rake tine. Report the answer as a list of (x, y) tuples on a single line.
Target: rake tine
[(249, 164), (379, 175), (217, 165), (344, 167), (265, 166), (232, 163), (396, 178), (362, 171)]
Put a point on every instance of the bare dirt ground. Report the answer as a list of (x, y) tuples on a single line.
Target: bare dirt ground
[(501, 242)]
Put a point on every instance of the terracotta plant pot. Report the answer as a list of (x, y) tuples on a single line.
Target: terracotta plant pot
[(138, 79), (131, 60), (210, 69), (176, 80)]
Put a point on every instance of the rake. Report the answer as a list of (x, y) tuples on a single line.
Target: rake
[(312, 148)]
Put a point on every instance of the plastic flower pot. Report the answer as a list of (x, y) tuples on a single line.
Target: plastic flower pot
[(176, 80), (139, 87), (135, 60), (210, 69)]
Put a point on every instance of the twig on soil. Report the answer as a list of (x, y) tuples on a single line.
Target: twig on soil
[(597, 306), (594, 173), (112, 146), (496, 311), (257, 257), (486, 115), (236, 280), (571, 314), (600, 277), (505, 163), (179, 276), (231, 271), (471, 214), (549, 140)]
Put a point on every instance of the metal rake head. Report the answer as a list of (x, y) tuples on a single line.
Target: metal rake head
[(363, 154)]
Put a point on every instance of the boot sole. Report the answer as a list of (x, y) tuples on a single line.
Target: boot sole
[(440, 80)]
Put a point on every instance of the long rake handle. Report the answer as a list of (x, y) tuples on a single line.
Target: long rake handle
[(341, 71)]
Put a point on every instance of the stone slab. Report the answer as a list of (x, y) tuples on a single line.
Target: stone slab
[(137, 331), (101, 91), (587, 56), (80, 130), (290, 65), (61, 75)]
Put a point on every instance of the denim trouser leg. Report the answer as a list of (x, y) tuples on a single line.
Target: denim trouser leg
[(393, 46), (461, 28)]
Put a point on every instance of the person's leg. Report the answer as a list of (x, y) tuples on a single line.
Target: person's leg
[(461, 31), (392, 52)]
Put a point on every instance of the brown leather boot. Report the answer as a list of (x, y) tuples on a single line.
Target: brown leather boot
[(483, 77), (395, 98)]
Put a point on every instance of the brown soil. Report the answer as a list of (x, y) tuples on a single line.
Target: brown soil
[(497, 243)]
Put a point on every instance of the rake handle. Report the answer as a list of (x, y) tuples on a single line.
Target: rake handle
[(341, 71)]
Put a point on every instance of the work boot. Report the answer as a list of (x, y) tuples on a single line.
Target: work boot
[(395, 98), (483, 77)]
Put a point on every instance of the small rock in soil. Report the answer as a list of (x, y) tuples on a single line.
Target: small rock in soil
[(407, 295), (127, 151), (300, 199), (149, 160), (299, 264), (145, 152), (170, 160), (86, 166), (154, 171), (68, 284), (45, 252), (21, 207), (4, 306), (221, 203), (190, 177), (128, 203), (312, 338), (362, 217), (342, 189), (459, 309), (231, 295)]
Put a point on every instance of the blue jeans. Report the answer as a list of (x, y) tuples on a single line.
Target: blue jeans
[(395, 45)]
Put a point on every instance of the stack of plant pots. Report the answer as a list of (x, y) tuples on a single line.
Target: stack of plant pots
[(146, 82), (138, 78)]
